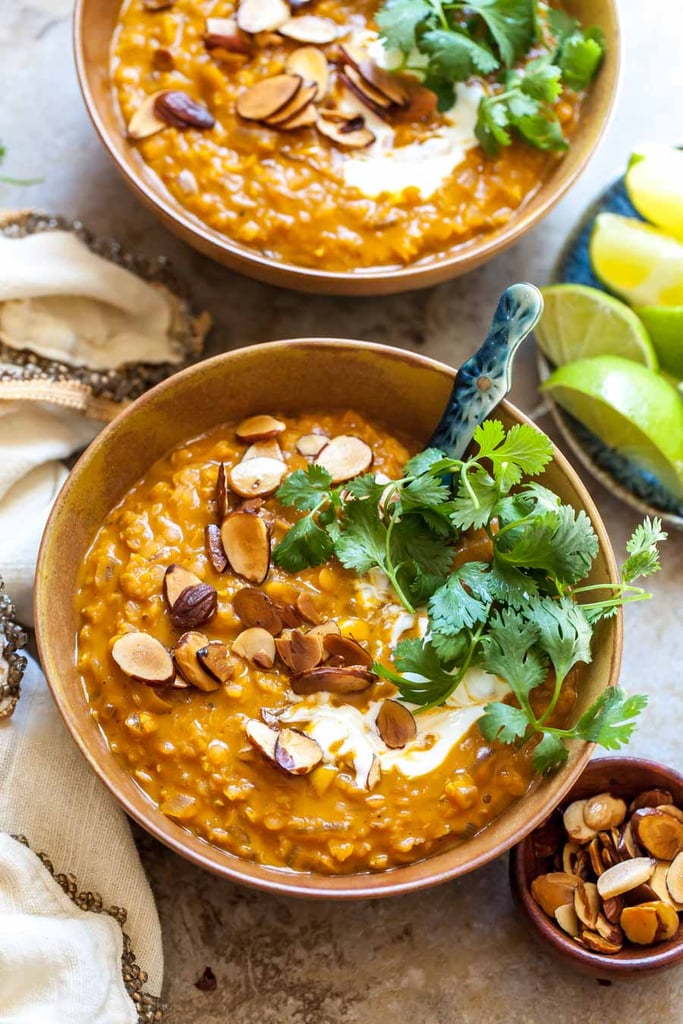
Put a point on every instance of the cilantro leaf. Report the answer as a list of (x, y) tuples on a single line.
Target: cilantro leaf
[(476, 499), (563, 632), (643, 557), (508, 651), (549, 753), (361, 544), (418, 658), (562, 543), (543, 130), (580, 57), (523, 450), (455, 56), (492, 125), (510, 585), (450, 649), (398, 20), (462, 601), (305, 488), (304, 545), (611, 720), (541, 79), (423, 462), (510, 22), (412, 540), (429, 491), (503, 722)]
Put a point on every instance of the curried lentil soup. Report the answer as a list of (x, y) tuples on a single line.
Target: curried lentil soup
[(199, 751), (295, 194)]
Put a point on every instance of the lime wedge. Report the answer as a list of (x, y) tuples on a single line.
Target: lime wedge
[(579, 322), (665, 327), (630, 408), (654, 182), (637, 261)]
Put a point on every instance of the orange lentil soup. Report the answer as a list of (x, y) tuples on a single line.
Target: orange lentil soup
[(188, 749), (285, 193)]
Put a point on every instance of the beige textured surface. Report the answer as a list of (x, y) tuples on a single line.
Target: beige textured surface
[(457, 953)]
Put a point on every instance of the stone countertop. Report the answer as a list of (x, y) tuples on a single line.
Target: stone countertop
[(458, 952)]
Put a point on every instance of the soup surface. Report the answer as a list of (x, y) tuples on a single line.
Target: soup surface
[(365, 805), (422, 186)]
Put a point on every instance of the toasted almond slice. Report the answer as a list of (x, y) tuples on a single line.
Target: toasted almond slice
[(373, 776), (345, 457), (307, 609), (567, 919), (396, 724), (213, 545), (257, 477), (667, 918), (360, 138), (604, 811), (143, 657), (651, 798), (365, 90), (612, 908), (180, 110), (299, 651), (271, 716), (393, 88), (421, 106), (626, 875), (332, 680), (288, 612), (323, 629), (311, 444), (640, 924), (575, 823), (254, 608), (247, 545), (255, 645), (626, 844), (348, 650), (672, 810), (262, 737), (674, 881), (570, 852), (195, 606), (609, 930), (215, 659), (306, 118), (311, 65), (553, 890), (269, 449), (591, 940), (587, 903), (296, 105), (257, 103), (145, 121), (225, 34), (660, 834), (187, 662), (177, 579), (262, 15), (297, 753), (222, 493), (308, 28), (261, 427)]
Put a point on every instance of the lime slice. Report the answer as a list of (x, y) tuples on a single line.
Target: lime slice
[(665, 326), (580, 322), (637, 261), (629, 408), (654, 182)]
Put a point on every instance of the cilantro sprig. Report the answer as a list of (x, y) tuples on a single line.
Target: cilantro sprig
[(524, 614), (445, 43)]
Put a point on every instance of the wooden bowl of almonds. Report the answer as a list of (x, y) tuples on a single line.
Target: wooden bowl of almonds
[(601, 881)]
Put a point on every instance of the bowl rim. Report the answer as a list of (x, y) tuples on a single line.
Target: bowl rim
[(421, 274), (644, 959), (266, 877)]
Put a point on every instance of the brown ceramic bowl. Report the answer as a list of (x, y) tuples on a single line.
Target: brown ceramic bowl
[(94, 23), (624, 777), (402, 391)]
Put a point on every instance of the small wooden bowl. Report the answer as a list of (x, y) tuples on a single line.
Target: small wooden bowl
[(625, 777), (94, 25)]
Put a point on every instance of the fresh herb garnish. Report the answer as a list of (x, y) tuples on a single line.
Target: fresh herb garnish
[(516, 615), (447, 43)]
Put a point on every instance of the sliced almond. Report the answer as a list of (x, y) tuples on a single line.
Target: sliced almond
[(261, 427), (373, 775), (306, 608), (595, 942), (180, 110), (658, 833), (299, 651), (365, 91), (395, 724), (360, 138), (257, 477), (349, 651), (291, 619), (575, 823), (176, 579), (258, 103), (271, 716), (269, 449), (604, 811), (567, 919), (625, 876), (145, 121), (222, 493), (328, 679), (303, 97), (587, 903), (311, 444), (143, 657), (254, 608), (667, 918), (570, 852), (345, 457), (262, 15), (306, 118), (187, 662), (311, 65), (195, 606), (225, 34), (553, 890), (612, 908), (215, 658), (595, 853), (674, 881), (262, 737), (610, 931), (297, 753), (308, 28), (257, 646), (640, 924), (651, 798), (393, 88), (213, 545), (247, 545), (672, 810), (626, 844), (323, 629)]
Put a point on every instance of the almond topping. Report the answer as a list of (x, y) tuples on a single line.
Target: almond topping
[(195, 606), (308, 28), (575, 823), (659, 833), (626, 875), (257, 477), (612, 908), (311, 444), (373, 776), (179, 110), (587, 903), (254, 608), (332, 679), (359, 138), (365, 91), (145, 121), (674, 881), (257, 646), (307, 609), (187, 662), (345, 457), (567, 919), (626, 844), (222, 493), (604, 811), (391, 86), (262, 737), (262, 15), (306, 118), (215, 659), (297, 753), (269, 449), (349, 651), (247, 545), (640, 924), (256, 104), (261, 427), (310, 64), (177, 579), (553, 890), (651, 798), (301, 100), (225, 34), (213, 545), (395, 724), (299, 651), (143, 657), (595, 942)]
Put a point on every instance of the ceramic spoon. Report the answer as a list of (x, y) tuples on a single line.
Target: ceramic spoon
[(484, 380)]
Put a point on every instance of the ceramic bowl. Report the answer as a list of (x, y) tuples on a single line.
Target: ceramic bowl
[(94, 24), (624, 777), (401, 391)]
